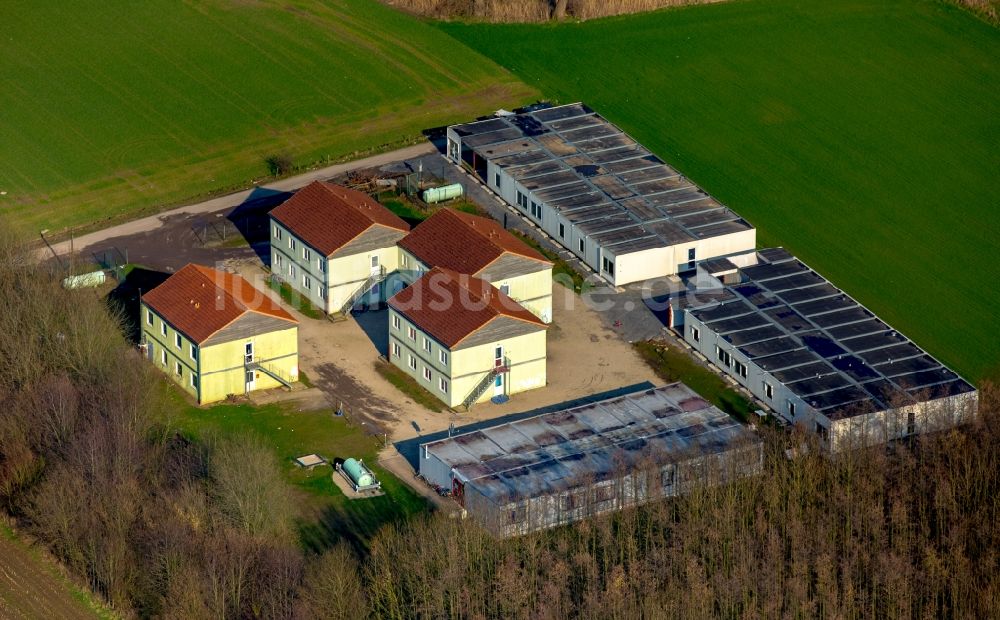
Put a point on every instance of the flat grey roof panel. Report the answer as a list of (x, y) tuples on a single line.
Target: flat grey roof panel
[(601, 211), (790, 283), (704, 218), (646, 175), (854, 330), (856, 314), (723, 228), (773, 255), (522, 173), (549, 115), (748, 321), (577, 201), (798, 357), (479, 142), (562, 191), (757, 334), (804, 371), (642, 210), (550, 180), (669, 231), (637, 161), (770, 347), (478, 127), (807, 293), (722, 311), (827, 304), (767, 271), (574, 122), (603, 143), (890, 355), (815, 385), (622, 248)]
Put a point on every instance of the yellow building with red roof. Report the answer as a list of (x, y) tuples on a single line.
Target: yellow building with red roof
[(464, 340), (216, 335), (480, 247), (336, 246)]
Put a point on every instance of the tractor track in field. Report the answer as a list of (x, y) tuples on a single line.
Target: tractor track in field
[(30, 589)]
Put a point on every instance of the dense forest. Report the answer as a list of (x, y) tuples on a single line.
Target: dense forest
[(163, 526)]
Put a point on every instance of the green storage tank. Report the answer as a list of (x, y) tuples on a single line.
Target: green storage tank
[(358, 474), (446, 192)]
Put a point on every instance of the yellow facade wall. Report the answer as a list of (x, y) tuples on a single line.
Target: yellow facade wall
[(533, 291), (222, 371), (465, 368), (527, 366), (347, 273), (218, 369)]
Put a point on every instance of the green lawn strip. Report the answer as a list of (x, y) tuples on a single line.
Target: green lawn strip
[(292, 297), (859, 134), (292, 433), (562, 272), (408, 386), (672, 364)]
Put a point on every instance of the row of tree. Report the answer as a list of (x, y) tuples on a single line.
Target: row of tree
[(163, 526), (510, 11)]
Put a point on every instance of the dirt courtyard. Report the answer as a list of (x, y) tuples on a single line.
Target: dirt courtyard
[(584, 358)]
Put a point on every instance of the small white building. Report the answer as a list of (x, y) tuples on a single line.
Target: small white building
[(595, 190)]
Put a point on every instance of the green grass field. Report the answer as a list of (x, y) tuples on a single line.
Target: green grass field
[(326, 515), (862, 135), (107, 114)]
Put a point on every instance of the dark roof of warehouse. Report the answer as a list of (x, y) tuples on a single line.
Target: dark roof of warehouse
[(594, 442), (599, 178), (822, 344)]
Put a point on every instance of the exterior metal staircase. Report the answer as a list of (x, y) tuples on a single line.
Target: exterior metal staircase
[(270, 372), (376, 277), (482, 386)]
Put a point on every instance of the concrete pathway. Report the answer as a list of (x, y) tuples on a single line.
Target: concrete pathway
[(220, 203)]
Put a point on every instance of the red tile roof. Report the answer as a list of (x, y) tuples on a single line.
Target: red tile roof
[(199, 301), (451, 306), (328, 216), (464, 243)]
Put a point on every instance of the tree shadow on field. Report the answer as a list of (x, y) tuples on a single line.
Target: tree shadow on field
[(355, 522), (124, 298), (251, 218)]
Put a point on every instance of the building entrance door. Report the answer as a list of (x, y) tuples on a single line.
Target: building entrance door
[(251, 376)]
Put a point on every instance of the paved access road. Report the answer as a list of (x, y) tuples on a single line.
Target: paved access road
[(220, 203)]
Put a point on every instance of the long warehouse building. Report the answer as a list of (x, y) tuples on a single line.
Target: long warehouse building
[(599, 193), (559, 467), (816, 356)]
